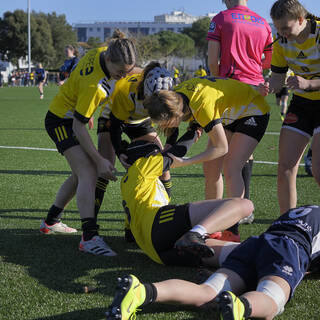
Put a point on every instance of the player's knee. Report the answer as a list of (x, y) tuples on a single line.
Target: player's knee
[(248, 206), (275, 292), (218, 282)]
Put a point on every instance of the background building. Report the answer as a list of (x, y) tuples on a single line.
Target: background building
[(176, 21)]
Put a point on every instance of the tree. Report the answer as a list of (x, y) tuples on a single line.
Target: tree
[(94, 42), (174, 44), (198, 32), (42, 48), (148, 48), (49, 35), (62, 35), (13, 36)]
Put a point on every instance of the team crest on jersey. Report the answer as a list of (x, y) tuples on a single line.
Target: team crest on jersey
[(301, 55), (212, 26), (287, 270)]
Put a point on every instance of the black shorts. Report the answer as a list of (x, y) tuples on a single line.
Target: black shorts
[(170, 223), (60, 131), (252, 126), (133, 131), (283, 92), (303, 116)]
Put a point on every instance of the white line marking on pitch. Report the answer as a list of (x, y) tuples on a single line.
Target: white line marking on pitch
[(47, 149), (27, 148), (272, 133)]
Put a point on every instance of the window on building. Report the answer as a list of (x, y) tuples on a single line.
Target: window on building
[(133, 30), (82, 34), (90, 29), (106, 33), (144, 31), (98, 29)]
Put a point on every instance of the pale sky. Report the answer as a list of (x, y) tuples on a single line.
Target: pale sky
[(136, 10)]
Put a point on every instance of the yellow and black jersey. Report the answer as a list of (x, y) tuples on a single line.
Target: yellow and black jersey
[(302, 58), (200, 73), (143, 194), (218, 100), (176, 73), (124, 102), (88, 86)]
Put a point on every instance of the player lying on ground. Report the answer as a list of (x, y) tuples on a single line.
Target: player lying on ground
[(156, 225), (264, 269)]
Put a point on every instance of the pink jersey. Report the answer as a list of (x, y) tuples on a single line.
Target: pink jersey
[(243, 36)]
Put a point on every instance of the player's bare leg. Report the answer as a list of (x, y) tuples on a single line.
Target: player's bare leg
[(241, 147), (213, 177), (316, 157), (290, 155), (263, 306)]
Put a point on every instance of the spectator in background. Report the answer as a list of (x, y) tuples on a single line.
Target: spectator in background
[(237, 40), (1, 80), (31, 79), (200, 72), (72, 59), (176, 74), (40, 75)]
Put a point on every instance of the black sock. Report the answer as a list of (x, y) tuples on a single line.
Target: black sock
[(101, 187), (234, 229), (151, 293), (54, 215), (247, 307), (246, 175), (89, 228), (167, 185), (309, 155)]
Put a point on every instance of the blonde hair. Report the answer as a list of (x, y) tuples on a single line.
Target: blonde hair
[(121, 50), (291, 9)]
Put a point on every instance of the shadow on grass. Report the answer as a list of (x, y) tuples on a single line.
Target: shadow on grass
[(121, 173), (56, 263), (8, 214), (98, 313)]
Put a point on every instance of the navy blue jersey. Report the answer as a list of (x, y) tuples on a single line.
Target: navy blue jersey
[(68, 66), (303, 226), (40, 74)]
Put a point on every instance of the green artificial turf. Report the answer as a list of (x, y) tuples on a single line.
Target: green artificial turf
[(42, 277)]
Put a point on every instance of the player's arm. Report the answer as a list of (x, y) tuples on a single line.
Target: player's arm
[(273, 85), (266, 61), (217, 147), (181, 147), (104, 167), (213, 57), (171, 139), (115, 133), (297, 82)]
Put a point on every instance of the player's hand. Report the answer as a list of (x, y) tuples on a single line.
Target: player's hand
[(91, 123), (296, 82), (177, 162), (264, 88), (106, 170), (123, 159), (60, 83)]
